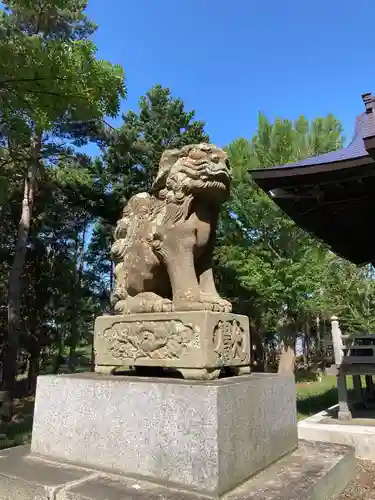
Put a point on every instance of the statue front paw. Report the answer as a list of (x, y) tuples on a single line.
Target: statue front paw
[(204, 304), (146, 302), (218, 304), (191, 305)]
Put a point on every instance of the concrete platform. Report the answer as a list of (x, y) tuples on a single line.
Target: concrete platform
[(206, 436), (312, 472), (357, 432)]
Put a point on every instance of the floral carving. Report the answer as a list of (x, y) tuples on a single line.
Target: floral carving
[(151, 339), (229, 341)]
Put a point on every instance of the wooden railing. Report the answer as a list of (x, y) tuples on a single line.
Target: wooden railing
[(355, 352), (354, 355)]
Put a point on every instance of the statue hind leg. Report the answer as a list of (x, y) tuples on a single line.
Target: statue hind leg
[(124, 302)]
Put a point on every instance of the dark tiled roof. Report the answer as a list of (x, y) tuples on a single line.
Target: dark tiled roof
[(364, 126), (339, 212)]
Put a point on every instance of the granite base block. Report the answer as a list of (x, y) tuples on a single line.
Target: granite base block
[(312, 472), (207, 436)]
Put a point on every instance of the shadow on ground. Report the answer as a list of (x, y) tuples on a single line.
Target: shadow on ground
[(306, 375), (18, 431), (315, 403)]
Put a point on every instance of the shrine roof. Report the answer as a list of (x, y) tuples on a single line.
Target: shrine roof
[(332, 195)]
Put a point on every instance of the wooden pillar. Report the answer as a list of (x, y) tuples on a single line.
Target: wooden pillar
[(357, 384), (342, 390), (369, 387), (344, 412), (336, 340)]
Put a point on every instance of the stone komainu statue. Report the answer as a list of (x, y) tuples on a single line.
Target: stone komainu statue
[(164, 240)]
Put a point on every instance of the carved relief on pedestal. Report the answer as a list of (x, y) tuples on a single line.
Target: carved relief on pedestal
[(151, 339), (229, 342)]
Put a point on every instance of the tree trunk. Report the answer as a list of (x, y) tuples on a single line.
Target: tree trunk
[(72, 359), (33, 372), (288, 340), (58, 358), (306, 344), (92, 357), (286, 362), (318, 336), (77, 280), (14, 286), (258, 352), (304, 349)]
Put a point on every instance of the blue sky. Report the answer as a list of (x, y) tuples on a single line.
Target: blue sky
[(230, 59)]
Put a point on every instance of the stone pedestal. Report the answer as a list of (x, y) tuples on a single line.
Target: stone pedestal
[(208, 437), (198, 344), (98, 437)]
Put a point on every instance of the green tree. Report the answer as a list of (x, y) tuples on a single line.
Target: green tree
[(278, 264), (131, 160), (350, 294), (132, 152), (57, 309), (63, 84)]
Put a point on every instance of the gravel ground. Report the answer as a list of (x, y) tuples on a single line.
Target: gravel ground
[(363, 487)]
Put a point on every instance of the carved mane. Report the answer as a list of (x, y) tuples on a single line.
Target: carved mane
[(172, 194)]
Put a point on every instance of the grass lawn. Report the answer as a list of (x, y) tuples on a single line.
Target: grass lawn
[(313, 397)]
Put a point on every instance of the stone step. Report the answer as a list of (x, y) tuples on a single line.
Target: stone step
[(315, 471)]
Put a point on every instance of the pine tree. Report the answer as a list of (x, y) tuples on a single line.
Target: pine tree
[(279, 267), (131, 160), (136, 147), (62, 83)]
